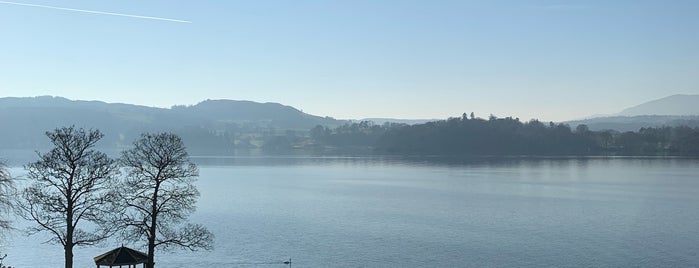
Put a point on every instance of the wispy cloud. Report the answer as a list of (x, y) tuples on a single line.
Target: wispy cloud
[(94, 12)]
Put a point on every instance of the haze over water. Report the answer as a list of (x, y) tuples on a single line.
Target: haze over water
[(431, 212)]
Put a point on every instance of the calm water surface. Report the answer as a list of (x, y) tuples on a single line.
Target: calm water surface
[(385, 212)]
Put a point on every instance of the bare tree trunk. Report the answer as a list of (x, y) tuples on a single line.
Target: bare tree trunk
[(152, 231), (69, 232), (69, 253), (151, 252)]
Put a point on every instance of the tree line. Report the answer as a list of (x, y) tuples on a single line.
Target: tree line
[(469, 135), (77, 195), (351, 135)]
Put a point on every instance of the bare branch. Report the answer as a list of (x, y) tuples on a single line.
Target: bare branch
[(7, 191)]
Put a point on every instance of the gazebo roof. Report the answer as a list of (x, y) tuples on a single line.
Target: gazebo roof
[(121, 256)]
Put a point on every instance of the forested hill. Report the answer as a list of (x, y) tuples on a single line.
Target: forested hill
[(268, 114), (212, 126), (225, 127), (508, 136)]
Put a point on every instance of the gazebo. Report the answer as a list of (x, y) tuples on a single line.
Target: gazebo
[(122, 256)]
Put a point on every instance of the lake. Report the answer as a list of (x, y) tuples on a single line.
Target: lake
[(431, 212)]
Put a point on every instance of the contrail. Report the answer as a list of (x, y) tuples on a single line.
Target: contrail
[(95, 12)]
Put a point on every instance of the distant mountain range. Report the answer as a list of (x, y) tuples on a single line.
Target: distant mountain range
[(675, 110), (25, 120), (221, 126), (675, 105)]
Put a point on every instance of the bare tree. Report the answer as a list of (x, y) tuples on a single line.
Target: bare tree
[(7, 191), (160, 194), (71, 186)]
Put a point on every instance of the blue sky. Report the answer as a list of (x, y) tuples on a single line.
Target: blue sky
[(552, 60)]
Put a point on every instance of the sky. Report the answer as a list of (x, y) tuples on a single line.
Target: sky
[(353, 59)]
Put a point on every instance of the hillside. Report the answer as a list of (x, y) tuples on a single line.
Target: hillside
[(634, 123), (677, 105), (675, 110), (211, 126), (271, 114)]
